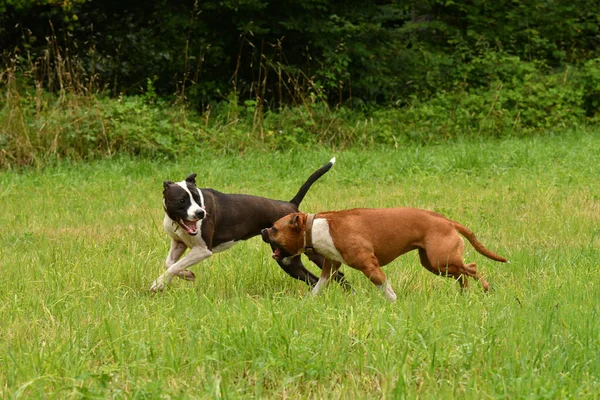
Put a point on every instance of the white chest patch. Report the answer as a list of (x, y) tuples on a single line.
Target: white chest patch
[(177, 233), (323, 242)]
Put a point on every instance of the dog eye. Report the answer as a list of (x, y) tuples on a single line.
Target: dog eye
[(182, 201)]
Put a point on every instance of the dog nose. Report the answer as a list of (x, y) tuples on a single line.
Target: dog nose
[(200, 214), (265, 235)]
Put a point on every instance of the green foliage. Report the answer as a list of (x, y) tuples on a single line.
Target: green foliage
[(356, 52), (519, 98), (89, 79), (498, 96), (35, 130), (590, 76)]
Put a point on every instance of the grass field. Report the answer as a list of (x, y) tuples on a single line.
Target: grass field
[(81, 245)]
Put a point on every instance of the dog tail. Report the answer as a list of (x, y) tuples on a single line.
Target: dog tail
[(466, 232), (311, 179)]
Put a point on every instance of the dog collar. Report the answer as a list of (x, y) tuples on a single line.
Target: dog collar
[(309, 250)]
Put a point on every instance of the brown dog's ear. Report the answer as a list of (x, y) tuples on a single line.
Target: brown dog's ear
[(295, 221), (166, 184), (191, 178)]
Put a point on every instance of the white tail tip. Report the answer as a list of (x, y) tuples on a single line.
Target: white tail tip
[(332, 160)]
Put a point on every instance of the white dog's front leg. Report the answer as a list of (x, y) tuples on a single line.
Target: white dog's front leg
[(195, 255), (175, 252)]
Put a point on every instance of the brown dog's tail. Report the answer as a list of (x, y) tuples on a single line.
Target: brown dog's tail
[(466, 232), (311, 179)]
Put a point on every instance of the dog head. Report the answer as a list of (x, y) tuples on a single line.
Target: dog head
[(286, 236), (184, 204)]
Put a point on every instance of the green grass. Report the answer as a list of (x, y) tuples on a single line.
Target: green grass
[(81, 245)]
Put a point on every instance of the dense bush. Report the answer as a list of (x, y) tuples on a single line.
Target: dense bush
[(520, 99), (38, 127)]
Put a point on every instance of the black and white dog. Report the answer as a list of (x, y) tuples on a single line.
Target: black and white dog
[(207, 221)]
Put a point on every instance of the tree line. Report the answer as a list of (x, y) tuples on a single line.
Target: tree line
[(357, 52)]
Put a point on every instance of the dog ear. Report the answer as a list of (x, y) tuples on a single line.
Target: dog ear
[(295, 221), (191, 178), (166, 184)]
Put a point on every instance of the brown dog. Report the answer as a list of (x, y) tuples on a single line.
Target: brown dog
[(367, 239)]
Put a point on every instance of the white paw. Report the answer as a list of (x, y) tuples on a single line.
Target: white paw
[(158, 285)]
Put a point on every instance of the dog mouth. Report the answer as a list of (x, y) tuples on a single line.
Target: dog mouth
[(189, 226), (280, 253)]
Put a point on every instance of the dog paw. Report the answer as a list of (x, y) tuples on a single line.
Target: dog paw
[(188, 276), (157, 286)]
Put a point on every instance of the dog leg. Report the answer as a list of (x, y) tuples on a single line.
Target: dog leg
[(463, 281), (471, 270), (293, 267), (425, 262), (448, 269), (339, 277), (387, 290), (175, 252), (370, 267), (329, 268), (455, 269), (447, 259), (195, 255)]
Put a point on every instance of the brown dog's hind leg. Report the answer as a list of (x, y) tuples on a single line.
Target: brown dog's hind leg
[(446, 270), (444, 257), (425, 262), (471, 269), (460, 272), (453, 267)]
